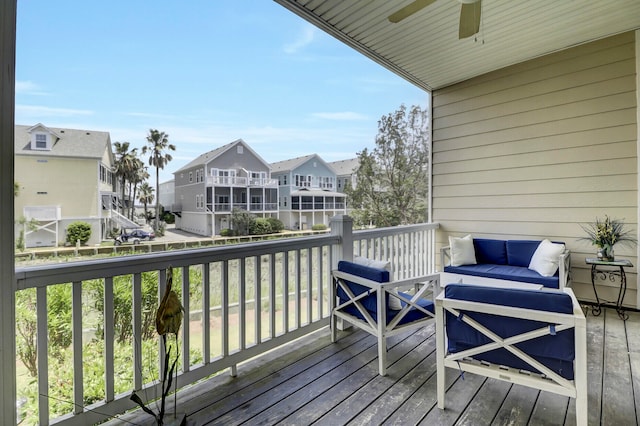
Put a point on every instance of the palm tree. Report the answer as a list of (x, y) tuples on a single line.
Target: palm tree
[(146, 197), (158, 145), (139, 176), (124, 163)]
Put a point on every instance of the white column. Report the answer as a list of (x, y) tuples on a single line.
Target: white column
[(7, 275)]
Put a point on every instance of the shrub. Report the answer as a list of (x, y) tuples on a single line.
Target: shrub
[(169, 218), (260, 226), (276, 224), (78, 231), (226, 232), (319, 227)]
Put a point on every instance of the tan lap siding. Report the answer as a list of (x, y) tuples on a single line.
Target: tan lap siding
[(536, 149)]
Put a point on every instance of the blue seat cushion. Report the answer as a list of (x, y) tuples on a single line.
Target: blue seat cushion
[(490, 251), (370, 302), (557, 352), (373, 274), (411, 316), (505, 272)]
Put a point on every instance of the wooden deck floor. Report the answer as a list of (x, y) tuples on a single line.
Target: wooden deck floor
[(317, 382)]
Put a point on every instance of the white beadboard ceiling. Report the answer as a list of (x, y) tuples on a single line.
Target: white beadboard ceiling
[(424, 48)]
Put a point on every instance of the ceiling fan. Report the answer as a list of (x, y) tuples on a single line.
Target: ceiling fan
[(469, 15)]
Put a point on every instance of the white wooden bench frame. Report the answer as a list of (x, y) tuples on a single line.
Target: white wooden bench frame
[(381, 329), (564, 268), (549, 381)]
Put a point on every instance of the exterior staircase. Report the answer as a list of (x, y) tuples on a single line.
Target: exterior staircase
[(123, 221)]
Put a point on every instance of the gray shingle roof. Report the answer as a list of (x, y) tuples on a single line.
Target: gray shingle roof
[(203, 159), (291, 164), (345, 167), (66, 142)]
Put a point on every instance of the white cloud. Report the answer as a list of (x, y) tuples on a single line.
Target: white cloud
[(30, 112), (341, 116), (305, 38), (28, 88)]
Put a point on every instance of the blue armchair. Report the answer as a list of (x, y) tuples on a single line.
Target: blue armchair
[(535, 338), (361, 295)]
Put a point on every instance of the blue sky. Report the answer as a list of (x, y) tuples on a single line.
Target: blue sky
[(205, 72)]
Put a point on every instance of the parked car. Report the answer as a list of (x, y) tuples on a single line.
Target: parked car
[(143, 235), (133, 236)]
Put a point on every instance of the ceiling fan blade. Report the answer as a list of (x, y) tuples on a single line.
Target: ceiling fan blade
[(409, 10), (469, 19)]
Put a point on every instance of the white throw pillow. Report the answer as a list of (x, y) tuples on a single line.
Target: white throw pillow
[(545, 259), (378, 264), (394, 302), (462, 251)]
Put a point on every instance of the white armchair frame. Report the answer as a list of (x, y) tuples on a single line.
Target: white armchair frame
[(380, 328), (549, 381)]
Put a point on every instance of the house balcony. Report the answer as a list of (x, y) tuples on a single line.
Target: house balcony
[(241, 181), (263, 207), (260, 313), (283, 297), (253, 207), (317, 206), (263, 183)]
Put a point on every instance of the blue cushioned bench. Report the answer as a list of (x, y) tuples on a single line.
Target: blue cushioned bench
[(536, 338), (504, 262), (361, 294)]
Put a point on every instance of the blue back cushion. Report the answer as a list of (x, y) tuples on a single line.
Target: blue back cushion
[(373, 274), (555, 351), (490, 251), (520, 252)]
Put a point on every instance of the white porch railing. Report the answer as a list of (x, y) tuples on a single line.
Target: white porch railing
[(289, 278)]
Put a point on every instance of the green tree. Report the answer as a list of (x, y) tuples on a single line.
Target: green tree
[(124, 165), (392, 179), (146, 197), (158, 147), (241, 221)]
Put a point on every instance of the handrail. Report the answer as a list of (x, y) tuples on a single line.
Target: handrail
[(275, 291)]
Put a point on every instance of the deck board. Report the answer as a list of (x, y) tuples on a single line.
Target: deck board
[(324, 383), (618, 410)]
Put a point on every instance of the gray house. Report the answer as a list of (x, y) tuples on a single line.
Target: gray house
[(210, 187), (307, 192), (345, 172)]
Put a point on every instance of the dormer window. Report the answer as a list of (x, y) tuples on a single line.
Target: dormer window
[(42, 138), (40, 141)]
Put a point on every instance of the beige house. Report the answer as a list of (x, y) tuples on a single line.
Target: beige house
[(534, 118), (63, 176)]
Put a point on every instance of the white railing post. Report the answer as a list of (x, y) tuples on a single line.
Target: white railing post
[(7, 276), (342, 225)]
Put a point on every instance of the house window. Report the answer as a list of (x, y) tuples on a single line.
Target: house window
[(190, 176), (326, 182), (303, 181), (41, 141), (240, 149), (284, 179), (225, 177)]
